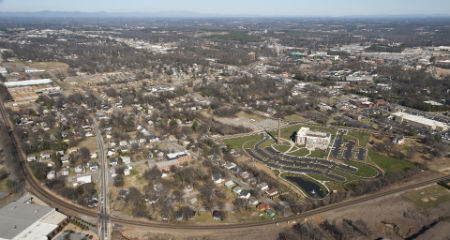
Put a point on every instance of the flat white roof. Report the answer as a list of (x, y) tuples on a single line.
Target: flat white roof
[(27, 83), (421, 120), (176, 155)]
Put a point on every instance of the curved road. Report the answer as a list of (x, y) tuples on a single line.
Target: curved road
[(73, 209)]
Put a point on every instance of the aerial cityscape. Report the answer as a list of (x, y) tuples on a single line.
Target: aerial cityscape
[(230, 120)]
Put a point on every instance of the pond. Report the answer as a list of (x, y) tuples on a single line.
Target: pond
[(311, 188)]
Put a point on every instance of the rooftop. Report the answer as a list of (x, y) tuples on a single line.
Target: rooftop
[(18, 216)]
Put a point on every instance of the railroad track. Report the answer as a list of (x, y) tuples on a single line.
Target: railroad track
[(72, 209)]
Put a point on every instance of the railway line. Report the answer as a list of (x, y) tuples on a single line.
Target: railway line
[(72, 209)]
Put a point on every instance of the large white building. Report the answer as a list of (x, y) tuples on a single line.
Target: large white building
[(420, 121), (23, 219), (313, 140)]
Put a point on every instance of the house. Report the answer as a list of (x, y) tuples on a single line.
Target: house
[(79, 169), (51, 175), (65, 171), (252, 181), (235, 171), (269, 213), (218, 215), (123, 149), (112, 162), (245, 175), (65, 159), (245, 194), (93, 166), (271, 192), (230, 166), (93, 155), (31, 158), (123, 143), (127, 171), (111, 152), (193, 200), (230, 184), (217, 178), (237, 190), (398, 140), (263, 206), (45, 155), (263, 186), (125, 159), (253, 201)]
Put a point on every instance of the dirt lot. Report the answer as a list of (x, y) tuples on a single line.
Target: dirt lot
[(395, 217)]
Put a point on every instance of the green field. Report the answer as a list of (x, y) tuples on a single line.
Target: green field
[(429, 197), (321, 177), (389, 164), (363, 170), (363, 138), (282, 148), (267, 143), (236, 143), (318, 153), (300, 153)]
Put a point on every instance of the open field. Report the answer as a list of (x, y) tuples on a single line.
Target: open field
[(363, 170), (389, 164), (363, 138), (236, 143), (429, 197)]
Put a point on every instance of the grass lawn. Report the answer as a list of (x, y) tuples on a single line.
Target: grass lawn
[(236, 143), (318, 153), (294, 117), (320, 177), (266, 143), (363, 138), (300, 153), (389, 164), (429, 197), (363, 170), (282, 148)]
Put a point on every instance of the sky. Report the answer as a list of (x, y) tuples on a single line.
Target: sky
[(239, 7)]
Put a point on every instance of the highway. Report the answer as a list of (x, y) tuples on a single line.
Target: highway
[(103, 215), (73, 209)]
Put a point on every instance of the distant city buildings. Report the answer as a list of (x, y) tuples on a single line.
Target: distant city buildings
[(312, 139)]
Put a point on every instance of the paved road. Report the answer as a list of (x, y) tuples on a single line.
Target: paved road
[(104, 222)]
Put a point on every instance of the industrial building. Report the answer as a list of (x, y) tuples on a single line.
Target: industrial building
[(313, 140), (24, 92), (420, 121), (23, 219)]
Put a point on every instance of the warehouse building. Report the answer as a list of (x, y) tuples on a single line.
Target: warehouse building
[(23, 219), (420, 121), (24, 92)]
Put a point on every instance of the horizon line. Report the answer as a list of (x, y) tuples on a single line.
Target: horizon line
[(193, 14)]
